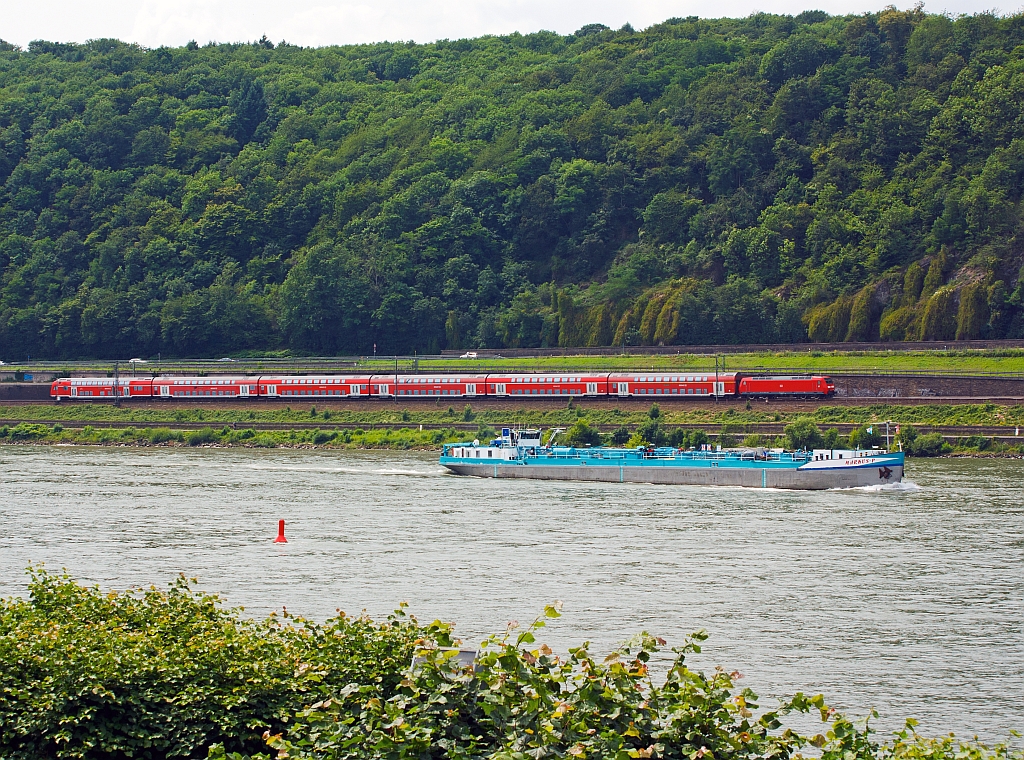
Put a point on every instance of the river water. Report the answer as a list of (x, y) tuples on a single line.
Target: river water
[(907, 600)]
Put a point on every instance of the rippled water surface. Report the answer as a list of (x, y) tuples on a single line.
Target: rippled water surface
[(906, 600)]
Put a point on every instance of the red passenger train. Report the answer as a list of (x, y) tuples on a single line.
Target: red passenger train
[(688, 385)]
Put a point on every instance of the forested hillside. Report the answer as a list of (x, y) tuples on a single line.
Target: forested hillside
[(704, 181)]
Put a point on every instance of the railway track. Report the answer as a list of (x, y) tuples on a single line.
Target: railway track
[(484, 402)]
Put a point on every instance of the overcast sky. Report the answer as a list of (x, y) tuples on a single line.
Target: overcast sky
[(325, 22)]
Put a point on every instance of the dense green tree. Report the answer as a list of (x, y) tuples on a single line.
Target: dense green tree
[(772, 178)]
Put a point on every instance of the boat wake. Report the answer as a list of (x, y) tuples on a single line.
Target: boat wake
[(904, 485), (410, 472)]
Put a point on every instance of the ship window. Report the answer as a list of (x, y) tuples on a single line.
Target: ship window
[(489, 453)]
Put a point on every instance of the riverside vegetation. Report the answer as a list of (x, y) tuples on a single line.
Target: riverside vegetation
[(729, 427), (771, 178), (157, 674)]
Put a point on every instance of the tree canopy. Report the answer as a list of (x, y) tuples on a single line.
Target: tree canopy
[(771, 178)]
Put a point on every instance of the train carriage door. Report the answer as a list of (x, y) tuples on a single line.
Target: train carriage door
[(243, 390), (272, 389), (623, 389), (165, 391), (382, 390), (500, 389), (471, 389), (74, 391), (719, 389), (591, 389)]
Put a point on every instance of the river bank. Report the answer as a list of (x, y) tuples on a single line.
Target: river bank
[(973, 429), (413, 439)]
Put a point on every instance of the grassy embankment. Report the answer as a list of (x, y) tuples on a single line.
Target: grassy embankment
[(953, 362), (389, 426), (988, 361)]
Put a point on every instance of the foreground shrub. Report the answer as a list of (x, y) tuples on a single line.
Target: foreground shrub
[(158, 674), (522, 702)]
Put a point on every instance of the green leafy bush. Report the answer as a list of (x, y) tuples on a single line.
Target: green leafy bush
[(162, 435), (653, 431), (581, 434), (930, 445), (28, 432), (866, 436), (156, 674), (620, 435), (803, 434), (520, 701), (323, 436), (199, 437)]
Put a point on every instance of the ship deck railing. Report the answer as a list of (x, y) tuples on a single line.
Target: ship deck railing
[(750, 455), (664, 454)]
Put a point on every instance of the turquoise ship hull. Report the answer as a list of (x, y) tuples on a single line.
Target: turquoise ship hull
[(817, 470)]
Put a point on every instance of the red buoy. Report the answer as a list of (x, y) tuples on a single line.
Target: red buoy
[(280, 533)]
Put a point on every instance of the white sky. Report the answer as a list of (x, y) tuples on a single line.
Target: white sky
[(325, 22)]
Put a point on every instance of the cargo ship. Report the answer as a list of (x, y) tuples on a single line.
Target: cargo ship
[(520, 454)]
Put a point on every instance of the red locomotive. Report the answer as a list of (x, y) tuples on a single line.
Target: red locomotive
[(805, 386), (688, 385)]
